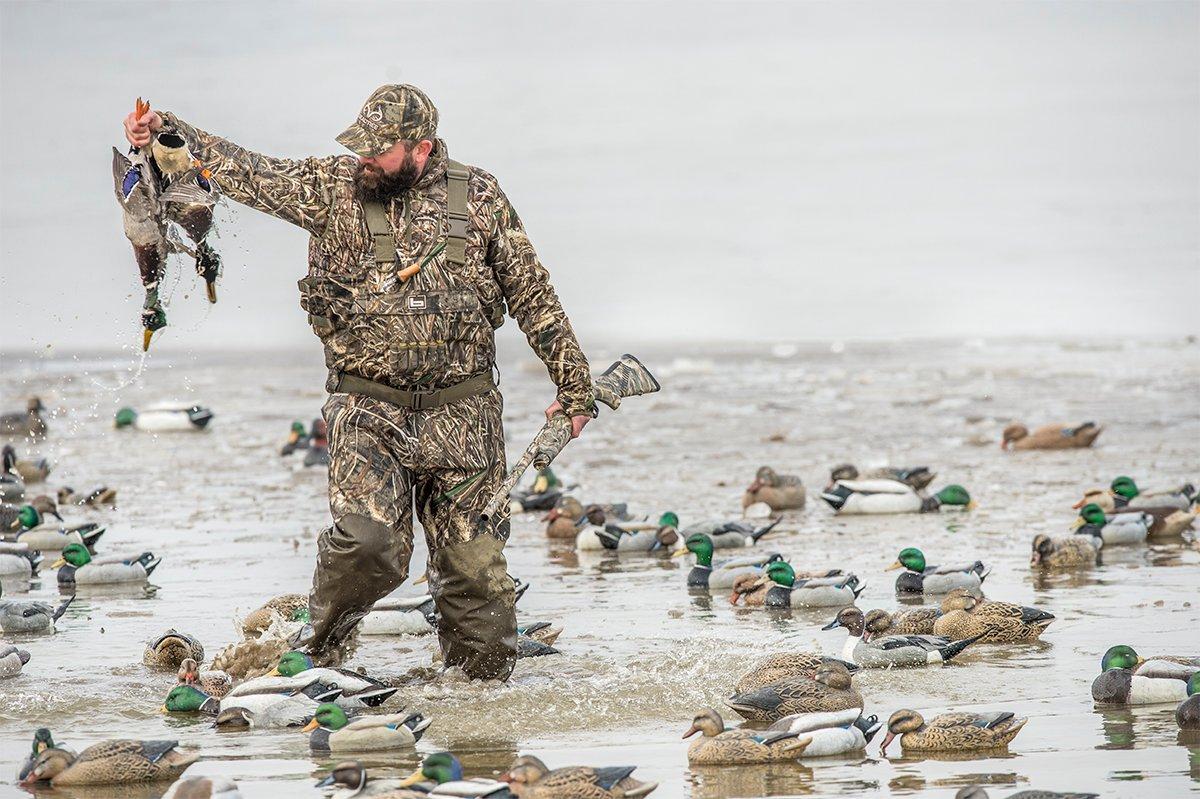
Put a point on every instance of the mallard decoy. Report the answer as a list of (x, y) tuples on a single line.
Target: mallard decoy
[(1126, 528), (47, 539), (963, 616), (406, 615), (729, 534), (12, 488), (705, 575), (111, 763), (42, 740), (165, 417), (951, 732), (778, 587), (15, 518), (977, 792), (333, 731), (836, 733), (829, 691), (18, 560), (358, 690), (169, 650), (274, 702), (31, 471), (718, 746), (1187, 715), (351, 781), (284, 607), (1126, 678), (441, 775), (1054, 436), (914, 621), (204, 788), (297, 439), (30, 423), (889, 496), (532, 779), (318, 444), (76, 567), (1125, 494), (30, 617), (778, 491), (641, 538), (12, 660), (541, 631), (1169, 521), (543, 494), (1071, 552), (100, 497), (785, 666), (892, 650), (918, 578), (213, 682), (918, 477), (565, 518), (191, 698)]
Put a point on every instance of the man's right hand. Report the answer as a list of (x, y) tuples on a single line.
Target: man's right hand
[(139, 130)]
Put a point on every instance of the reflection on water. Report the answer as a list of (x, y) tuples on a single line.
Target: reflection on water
[(770, 779)]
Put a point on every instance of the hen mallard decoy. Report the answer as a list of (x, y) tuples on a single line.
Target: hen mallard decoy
[(15, 518), (441, 775), (111, 763), (34, 470), (1187, 715), (965, 616), (830, 690), (1126, 528), (1054, 436), (12, 660), (778, 491), (165, 417), (358, 690), (297, 439), (786, 665), (951, 732), (919, 578), (100, 497), (731, 534), (30, 617), (719, 746), (18, 560), (42, 740), (542, 494), (977, 792), (76, 567), (213, 682), (918, 477), (914, 621), (892, 650), (662, 535), (780, 587), (274, 702), (530, 778), (1071, 552), (1126, 678), (204, 788), (284, 607), (191, 698), (170, 649), (889, 496), (333, 731), (30, 423), (836, 733), (723, 575)]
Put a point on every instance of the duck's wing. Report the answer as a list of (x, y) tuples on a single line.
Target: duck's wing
[(876, 486), (927, 642)]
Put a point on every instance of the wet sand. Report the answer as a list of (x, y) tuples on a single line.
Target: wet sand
[(236, 524)]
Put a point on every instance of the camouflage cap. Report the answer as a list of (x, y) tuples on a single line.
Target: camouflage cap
[(394, 112)]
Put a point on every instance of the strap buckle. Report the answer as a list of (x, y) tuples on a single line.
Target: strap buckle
[(420, 400)]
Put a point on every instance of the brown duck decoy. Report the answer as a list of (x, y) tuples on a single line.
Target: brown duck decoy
[(719, 746), (828, 691), (951, 732)]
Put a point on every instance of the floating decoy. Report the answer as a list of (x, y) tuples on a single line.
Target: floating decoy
[(102, 496), (912, 621), (977, 792), (848, 497), (723, 575), (164, 417), (213, 682), (42, 740), (15, 518), (531, 779), (965, 616), (274, 702), (1187, 715), (333, 731), (1126, 528), (1054, 436), (169, 650), (830, 690), (358, 690), (12, 660), (951, 732), (76, 567), (778, 491), (892, 650), (351, 781), (111, 763), (922, 579), (408, 615), (18, 560), (1071, 552), (1126, 494), (441, 775), (779, 587), (191, 698), (29, 471), (733, 533), (297, 439), (546, 490), (30, 617), (30, 423), (918, 477), (1126, 678), (318, 446), (641, 538), (836, 733), (204, 788), (1169, 521), (785, 665), (718, 746)]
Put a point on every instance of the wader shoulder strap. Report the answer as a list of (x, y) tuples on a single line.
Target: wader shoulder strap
[(381, 232), (456, 210)]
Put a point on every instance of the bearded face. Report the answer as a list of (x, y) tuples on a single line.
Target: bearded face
[(373, 184)]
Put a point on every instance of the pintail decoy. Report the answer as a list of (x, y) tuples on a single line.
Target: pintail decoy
[(836, 733), (892, 650)]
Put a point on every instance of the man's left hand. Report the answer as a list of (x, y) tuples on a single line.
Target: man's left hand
[(577, 422)]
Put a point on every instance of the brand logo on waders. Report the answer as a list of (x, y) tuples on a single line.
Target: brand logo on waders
[(416, 303)]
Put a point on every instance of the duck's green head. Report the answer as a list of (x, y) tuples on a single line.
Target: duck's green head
[(1092, 513), (700, 545), (440, 768), (74, 554), (185, 699), (293, 663), (329, 716), (29, 517), (42, 739), (955, 495), (298, 429), (126, 417), (909, 558), (1194, 684), (301, 614), (782, 573), (1120, 657), (669, 519), (1125, 487), (546, 479)]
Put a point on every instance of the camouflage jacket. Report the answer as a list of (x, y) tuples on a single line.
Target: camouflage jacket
[(436, 328)]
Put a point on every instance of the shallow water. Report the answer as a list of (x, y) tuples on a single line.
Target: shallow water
[(236, 524)]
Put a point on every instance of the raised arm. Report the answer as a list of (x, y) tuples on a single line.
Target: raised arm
[(533, 302)]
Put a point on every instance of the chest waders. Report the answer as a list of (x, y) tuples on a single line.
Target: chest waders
[(444, 447)]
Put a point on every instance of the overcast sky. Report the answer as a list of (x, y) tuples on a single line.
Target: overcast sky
[(690, 171)]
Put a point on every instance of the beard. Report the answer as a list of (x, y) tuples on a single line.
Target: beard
[(372, 184)]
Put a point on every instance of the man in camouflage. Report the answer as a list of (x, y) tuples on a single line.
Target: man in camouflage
[(412, 259)]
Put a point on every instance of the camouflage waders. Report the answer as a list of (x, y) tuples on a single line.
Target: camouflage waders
[(405, 299)]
